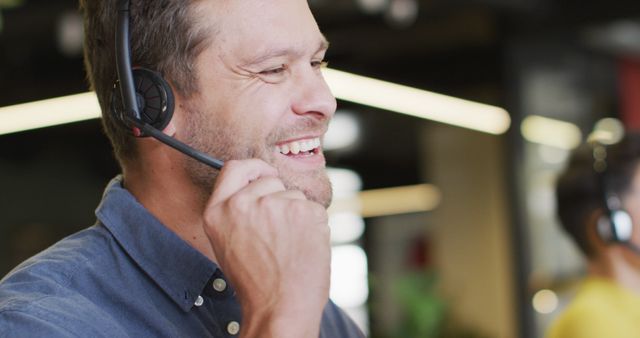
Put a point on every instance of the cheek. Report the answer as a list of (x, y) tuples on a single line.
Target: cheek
[(264, 111)]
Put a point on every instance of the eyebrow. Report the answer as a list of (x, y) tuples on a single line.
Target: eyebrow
[(277, 52)]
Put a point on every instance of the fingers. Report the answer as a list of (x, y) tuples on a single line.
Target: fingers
[(263, 186), (291, 194), (236, 175)]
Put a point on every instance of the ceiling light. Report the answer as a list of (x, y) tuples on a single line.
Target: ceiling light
[(373, 6), (49, 112), (402, 13), (343, 132), (553, 155), (545, 301), (607, 131), (551, 132), (417, 102), (345, 227), (349, 284), (389, 201), (70, 33), (345, 182)]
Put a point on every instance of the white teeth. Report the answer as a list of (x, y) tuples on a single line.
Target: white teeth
[(284, 148), (297, 147)]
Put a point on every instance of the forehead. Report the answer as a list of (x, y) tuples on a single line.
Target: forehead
[(251, 27)]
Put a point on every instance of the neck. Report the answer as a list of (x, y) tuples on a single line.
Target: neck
[(166, 191), (613, 265)]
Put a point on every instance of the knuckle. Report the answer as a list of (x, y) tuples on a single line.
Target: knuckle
[(237, 203), (267, 203)]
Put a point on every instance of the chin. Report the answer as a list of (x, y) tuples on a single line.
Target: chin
[(321, 197), (315, 186)]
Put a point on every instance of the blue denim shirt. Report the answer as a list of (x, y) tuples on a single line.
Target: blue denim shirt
[(127, 276)]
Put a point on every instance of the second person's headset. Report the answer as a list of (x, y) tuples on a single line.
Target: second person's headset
[(142, 100), (615, 224)]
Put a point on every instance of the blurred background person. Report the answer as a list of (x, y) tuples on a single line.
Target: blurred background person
[(598, 203)]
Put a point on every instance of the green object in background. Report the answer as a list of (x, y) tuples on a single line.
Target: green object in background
[(424, 311)]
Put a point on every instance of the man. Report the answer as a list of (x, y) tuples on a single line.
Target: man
[(179, 249), (605, 229)]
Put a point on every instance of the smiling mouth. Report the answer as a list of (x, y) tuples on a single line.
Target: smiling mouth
[(306, 147)]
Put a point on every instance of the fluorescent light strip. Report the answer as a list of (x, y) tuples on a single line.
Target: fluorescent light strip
[(551, 132), (345, 86), (390, 201), (51, 112), (417, 102)]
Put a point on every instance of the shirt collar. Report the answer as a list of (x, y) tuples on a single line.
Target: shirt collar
[(179, 269)]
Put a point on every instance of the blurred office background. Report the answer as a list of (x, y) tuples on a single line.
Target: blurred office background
[(439, 230)]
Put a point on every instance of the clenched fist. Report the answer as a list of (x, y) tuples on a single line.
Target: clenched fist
[(274, 246)]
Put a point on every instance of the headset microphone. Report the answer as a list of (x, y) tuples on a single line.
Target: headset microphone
[(144, 103)]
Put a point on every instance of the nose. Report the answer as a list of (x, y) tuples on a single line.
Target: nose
[(313, 96)]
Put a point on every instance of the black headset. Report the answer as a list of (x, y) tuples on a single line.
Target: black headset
[(145, 102), (615, 224)]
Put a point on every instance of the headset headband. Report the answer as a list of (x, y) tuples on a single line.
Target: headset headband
[(131, 114), (123, 62)]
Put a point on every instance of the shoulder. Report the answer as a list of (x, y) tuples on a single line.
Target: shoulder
[(336, 323), (57, 265), (42, 295), (52, 316), (592, 313)]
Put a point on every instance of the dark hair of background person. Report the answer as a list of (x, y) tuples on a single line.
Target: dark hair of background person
[(578, 192), (166, 36)]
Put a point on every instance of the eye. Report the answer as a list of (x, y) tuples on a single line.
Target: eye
[(274, 71), (319, 64)]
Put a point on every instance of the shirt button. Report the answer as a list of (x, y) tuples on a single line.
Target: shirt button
[(219, 284), (199, 301), (233, 327)]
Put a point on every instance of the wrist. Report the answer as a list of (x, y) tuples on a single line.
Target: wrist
[(295, 320)]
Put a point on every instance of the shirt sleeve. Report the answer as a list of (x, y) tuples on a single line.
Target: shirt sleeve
[(44, 319), (17, 324)]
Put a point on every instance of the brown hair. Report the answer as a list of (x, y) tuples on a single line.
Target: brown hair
[(579, 192), (165, 36)]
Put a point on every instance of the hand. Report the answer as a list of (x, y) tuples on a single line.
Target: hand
[(274, 246)]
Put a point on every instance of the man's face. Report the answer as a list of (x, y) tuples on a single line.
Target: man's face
[(261, 93)]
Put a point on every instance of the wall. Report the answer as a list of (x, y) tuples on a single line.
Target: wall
[(472, 249)]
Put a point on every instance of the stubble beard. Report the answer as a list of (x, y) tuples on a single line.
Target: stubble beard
[(221, 142)]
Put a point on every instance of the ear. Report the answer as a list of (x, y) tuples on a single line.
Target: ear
[(170, 129), (596, 241)]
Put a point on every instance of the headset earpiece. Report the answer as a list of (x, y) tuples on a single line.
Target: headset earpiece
[(154, 98), (615, 224), (146, 96), (616, 227), (621, 225)]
